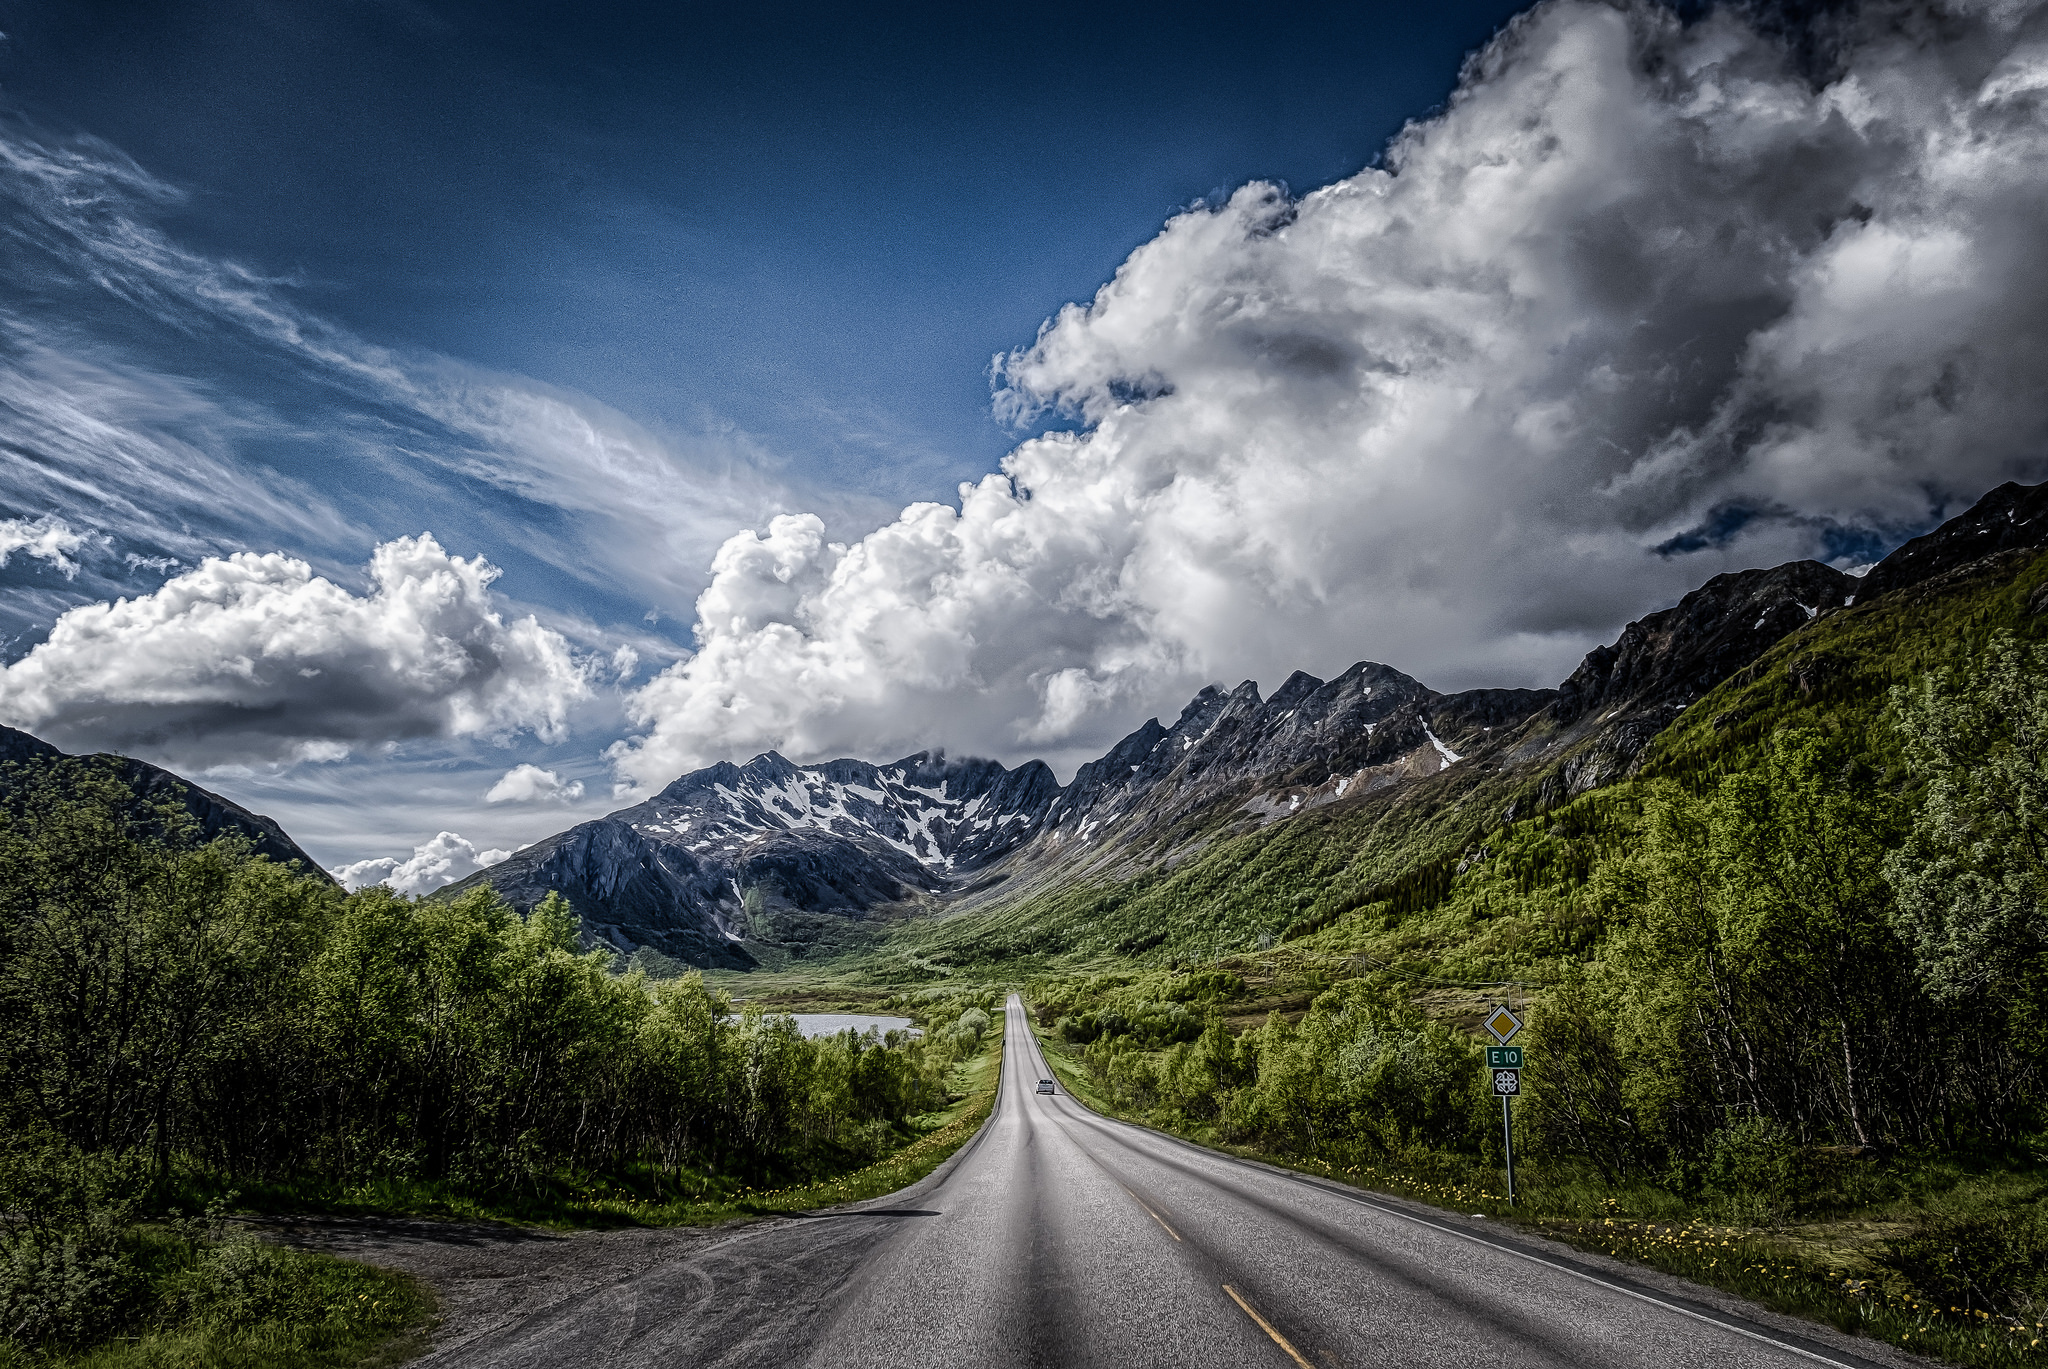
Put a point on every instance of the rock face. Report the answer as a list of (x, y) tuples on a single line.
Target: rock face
[(214, 814), (1311, 743), (738, 855), (2011, 517), (1669, 659)]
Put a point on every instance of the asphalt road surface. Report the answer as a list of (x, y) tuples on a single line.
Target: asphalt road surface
[(1058, 1238)]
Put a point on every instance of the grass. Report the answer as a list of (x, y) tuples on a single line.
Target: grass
[(312, 1312), (1772, 1272), (1822, 1270)]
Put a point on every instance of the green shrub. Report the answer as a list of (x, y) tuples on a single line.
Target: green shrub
[(66, 1288), (1755, 1156), (1996, 1263), (241, 1283)]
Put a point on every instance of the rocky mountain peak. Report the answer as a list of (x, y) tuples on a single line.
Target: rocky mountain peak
[(1666, 660), (2011, 517)]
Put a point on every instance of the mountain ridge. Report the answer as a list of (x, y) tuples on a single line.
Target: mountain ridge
[(736, 861), (214, 814)]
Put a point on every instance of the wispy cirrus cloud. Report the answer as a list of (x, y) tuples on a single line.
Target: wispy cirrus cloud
[(45, 539), (135, 442)]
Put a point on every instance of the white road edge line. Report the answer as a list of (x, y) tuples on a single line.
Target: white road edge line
[(1307, 1182), (1580, 1274)]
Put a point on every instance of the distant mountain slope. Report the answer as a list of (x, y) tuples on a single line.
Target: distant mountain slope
[(214, 814), (733, 862), (765, 850), (2011, 517)]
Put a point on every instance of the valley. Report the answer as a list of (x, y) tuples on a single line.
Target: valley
[(1715, 870)]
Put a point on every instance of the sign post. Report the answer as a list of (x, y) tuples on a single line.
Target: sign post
[(1504, 1063)]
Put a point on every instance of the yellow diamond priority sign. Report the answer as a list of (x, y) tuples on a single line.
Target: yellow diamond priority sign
[(1502, 1024)]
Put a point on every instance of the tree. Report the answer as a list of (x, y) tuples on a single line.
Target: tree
[(130, 956), (1972, 880), (1761, 972)]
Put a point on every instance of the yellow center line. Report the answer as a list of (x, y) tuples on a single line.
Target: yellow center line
[(1150, 1213), (1267, 1327)]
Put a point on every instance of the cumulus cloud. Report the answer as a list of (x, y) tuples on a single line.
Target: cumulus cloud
[(255, 658), (443, 860), (46, 539), (1645, 302), (531, 784)]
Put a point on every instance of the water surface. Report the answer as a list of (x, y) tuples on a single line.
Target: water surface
[(832, 1023)]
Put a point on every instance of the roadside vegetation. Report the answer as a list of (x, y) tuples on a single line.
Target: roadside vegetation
[(1787, 991), (186, 1027)]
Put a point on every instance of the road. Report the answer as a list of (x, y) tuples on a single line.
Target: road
[(1059, 1238)]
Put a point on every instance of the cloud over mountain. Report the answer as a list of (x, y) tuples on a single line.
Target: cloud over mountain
[(254, 658), (1645, 302), (441, 860), (528, 783)]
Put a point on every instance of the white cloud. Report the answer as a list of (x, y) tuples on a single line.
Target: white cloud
[(443, 860), (254, 658), (531, 784), (1641, 305), (46, 539)]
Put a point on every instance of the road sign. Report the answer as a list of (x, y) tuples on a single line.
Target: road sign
[(1507, 1083), (1503, 1057), (1502, 1024)]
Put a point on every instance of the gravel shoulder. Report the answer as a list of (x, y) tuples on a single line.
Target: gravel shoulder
[(487, 1276)]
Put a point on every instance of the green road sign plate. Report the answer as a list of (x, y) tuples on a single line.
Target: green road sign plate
[(1507, 1083), (1503, 1057)]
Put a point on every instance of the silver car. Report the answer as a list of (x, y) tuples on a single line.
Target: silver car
[(1045, 1086)]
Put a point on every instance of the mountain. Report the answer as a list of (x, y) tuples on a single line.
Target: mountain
[(778, 853), (2012, 517), (214, 814), (735, 863)]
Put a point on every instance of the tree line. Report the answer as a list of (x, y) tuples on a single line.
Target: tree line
[(1837, 953), (189, 1004)]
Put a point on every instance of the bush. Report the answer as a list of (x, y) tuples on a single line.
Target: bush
[(240, 1283), (1757, 1157), (969, 1029), (1206, 986), (64, 1289)]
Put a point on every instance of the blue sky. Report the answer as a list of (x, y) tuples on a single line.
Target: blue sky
[(601, 293), (811, 225), (789, 237)]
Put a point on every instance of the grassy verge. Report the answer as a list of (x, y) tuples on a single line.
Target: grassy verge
[(241, 1304), (1823, 1271)]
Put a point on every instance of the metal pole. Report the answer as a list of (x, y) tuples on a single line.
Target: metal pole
[(1507, 1132)]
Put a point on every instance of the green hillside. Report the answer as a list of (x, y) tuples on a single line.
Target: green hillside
[(1432, 875), (1786, 983)]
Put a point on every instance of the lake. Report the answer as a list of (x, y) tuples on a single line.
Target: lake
[(832, 1023)]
